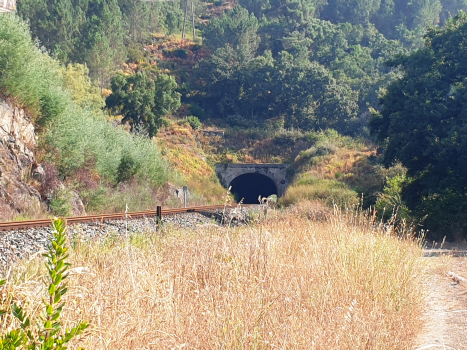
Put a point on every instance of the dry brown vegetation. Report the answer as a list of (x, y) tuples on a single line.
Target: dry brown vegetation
[(181, 147), (336, 282)]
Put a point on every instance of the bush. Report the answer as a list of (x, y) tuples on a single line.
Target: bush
[(197, 111), (331, 138), (181, 53), (72, 133), (390, 201), (194, 122), (288, 137), (330, 192), (28, 74), (127, 168), (94, 199), (135, 56), (60, 204), (239, 121)]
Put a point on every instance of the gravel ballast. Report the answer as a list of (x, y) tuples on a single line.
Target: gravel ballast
[(22, 243)]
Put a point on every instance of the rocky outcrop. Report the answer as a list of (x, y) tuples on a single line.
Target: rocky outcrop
[(77, 206), (18, 193), (17, 131)]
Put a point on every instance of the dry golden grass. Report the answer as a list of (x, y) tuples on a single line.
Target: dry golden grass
[(290, 283)]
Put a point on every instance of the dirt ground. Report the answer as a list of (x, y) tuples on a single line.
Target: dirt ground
[(446, 300)]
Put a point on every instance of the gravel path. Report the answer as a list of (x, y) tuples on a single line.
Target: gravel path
[(21, 243), (446, 308)]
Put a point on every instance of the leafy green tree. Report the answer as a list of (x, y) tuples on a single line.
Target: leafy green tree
[(143, 101), (255, 6), (238, 29), (310, 97), (355, 12), (85, 92), (100, 56), (304, 93), (423, 125), (167, 99)]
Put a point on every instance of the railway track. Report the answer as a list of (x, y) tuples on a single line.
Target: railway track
[(160, 212)]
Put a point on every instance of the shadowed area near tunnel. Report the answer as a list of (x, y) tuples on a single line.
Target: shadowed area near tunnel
[(250, 186)]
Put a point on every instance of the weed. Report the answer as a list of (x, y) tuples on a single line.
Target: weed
[(46, 331)]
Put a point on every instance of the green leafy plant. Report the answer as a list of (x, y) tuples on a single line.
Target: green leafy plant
[(390, 201), (60, 204), (194, 122), (127, 168), (46, 332)]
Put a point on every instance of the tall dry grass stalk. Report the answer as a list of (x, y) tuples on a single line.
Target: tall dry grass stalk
[(291, 283)]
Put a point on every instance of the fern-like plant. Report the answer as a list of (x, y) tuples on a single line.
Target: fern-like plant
[(46, 332)]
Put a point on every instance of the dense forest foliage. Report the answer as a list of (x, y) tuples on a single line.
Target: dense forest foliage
[(292, 66), (423, 125), (308, 64)]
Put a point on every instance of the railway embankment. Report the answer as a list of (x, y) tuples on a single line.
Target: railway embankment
[(23, 243)]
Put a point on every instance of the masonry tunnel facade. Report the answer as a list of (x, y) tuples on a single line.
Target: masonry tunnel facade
[(249, 181), (252, 185)]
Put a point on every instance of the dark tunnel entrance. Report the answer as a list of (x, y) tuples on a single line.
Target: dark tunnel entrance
[(250, 186)]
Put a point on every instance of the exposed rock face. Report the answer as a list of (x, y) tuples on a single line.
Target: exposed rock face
[(18, 194), (17, 130), (38, 172), (77, 206)]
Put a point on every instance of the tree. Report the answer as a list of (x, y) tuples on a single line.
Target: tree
[(85, 92), (310, 97), (423, 124), (102, 49), (55, 22), (167, 99), (82, 31), (238, 29), (143, 101)]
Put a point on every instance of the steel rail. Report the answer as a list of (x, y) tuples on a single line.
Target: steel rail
[(13, 225)]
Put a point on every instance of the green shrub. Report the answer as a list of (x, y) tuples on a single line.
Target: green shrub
[(28, 74), (197, 111), (73, 132), (288, 137), (181, 53), (77, 132), (332, 139), (194, 122), (60, 204), (46, 332), (390, 201), (94, 199), (135, 55), (127, 168)]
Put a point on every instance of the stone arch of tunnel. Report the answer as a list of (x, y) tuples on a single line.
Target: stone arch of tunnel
[(250, 186)]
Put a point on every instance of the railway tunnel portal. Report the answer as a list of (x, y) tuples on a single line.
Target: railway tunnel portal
[(249, 181)]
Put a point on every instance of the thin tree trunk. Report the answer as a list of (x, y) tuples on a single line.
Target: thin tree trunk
[(193, 17), (184, 21)]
